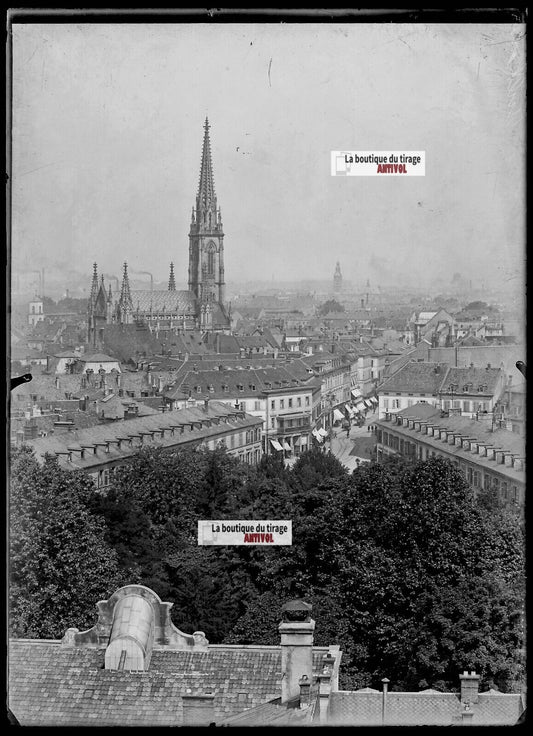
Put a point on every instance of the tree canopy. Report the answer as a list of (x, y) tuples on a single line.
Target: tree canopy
[(331, 305), (406, 570)]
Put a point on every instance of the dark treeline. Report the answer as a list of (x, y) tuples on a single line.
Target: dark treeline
[(414, 578)]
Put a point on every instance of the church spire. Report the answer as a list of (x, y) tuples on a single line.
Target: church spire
[(94, 285), (125, 303), (172, 280), (206, 189)]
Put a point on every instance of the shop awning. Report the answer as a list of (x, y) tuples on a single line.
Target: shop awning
[(322, 432), (338, 415), (368, 403), (360, 405), (374, 400), (356, 393), (286, 446), (275, 444)]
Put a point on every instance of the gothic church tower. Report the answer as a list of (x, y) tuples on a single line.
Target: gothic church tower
[(206, 247)]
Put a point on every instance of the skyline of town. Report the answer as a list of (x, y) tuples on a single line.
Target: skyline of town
[(105, 158)]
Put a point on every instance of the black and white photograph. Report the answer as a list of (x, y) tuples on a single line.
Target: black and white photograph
[(266, 356)]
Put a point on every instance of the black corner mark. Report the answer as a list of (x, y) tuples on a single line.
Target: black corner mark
[(521, 367), (20, 379)]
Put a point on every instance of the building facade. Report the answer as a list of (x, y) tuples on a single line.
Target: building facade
[(493, 460)]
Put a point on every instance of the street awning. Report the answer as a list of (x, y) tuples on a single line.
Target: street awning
[(275, 444), (374, 400), (338, 415), (368, 403), (322, 432), (360, 405), (356, 393), (286, 446)]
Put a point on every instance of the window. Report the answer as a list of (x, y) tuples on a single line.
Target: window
[(282, 403), (386, 404), (273, 422), (257, 406), (290, 403), (466, 406), (477, 479), (243, 405), (299, 401), (272, 404), (396, 403), (307, 400)]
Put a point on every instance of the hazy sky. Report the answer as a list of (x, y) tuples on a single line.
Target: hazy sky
[(108, 127)]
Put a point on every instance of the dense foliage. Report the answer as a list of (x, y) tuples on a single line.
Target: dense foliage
[(331, 305), (412, 576), (60, 565)]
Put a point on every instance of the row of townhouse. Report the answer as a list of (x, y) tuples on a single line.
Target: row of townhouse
[(468, 391), (490, 459), (206, 424), (287, 404)]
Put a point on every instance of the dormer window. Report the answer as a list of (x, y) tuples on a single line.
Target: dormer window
[(198, 389)]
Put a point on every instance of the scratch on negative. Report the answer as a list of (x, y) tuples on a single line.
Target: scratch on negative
[(269, 67)]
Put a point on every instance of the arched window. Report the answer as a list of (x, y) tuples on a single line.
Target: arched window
[(211, 258)]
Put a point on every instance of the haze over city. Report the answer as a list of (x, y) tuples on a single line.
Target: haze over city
[(107, 135)]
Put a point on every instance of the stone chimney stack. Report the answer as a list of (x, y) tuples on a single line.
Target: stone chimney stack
[(296, 629), (198, 710), (469, 687)]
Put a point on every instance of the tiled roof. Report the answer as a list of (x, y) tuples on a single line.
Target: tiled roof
[(478, 430), (252, 380), (413, 377), (427, 708), (174, 302), (273, 713), (105, 433), (54, 686), (97, 358), (130, 341), (460, 377)]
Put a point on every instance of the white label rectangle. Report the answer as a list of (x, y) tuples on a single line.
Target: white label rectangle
[(378, 163), (263, 532)]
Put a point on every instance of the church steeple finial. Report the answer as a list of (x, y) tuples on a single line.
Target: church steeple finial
[(125, 303), (172, 280), (206, 197), (94, 284)]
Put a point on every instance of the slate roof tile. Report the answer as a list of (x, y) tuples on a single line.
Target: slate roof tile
[(50, 685)]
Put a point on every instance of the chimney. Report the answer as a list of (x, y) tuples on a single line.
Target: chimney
[(296, 629), (467, 715), (469, 687), (305, 691), (206, 404), (324, 685), (385, 682), (198, 710)]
